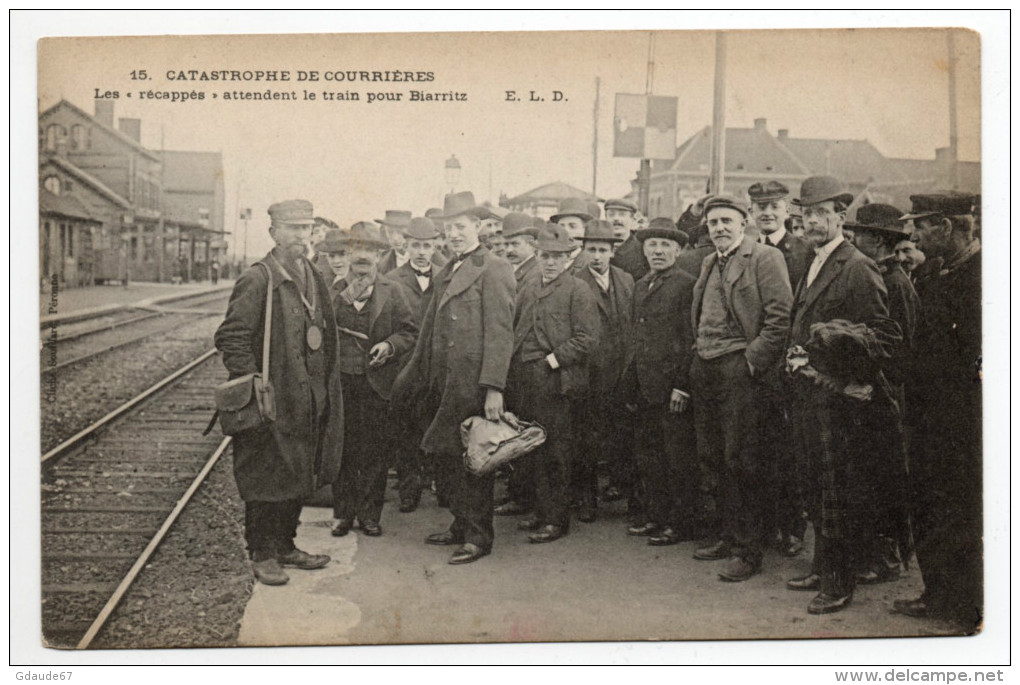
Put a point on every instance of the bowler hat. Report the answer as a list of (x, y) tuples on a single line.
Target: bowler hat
[(519, 223), (600, 230), (662, 227), (366, 234), (420, 228), (433, 213), (879, 217), (725, 201), (333, 241), (292, 212), (946, 204), (769, 190), (821, 188), (620, 203), (459, 204), (554, 238), (396, 218), (572, 206)]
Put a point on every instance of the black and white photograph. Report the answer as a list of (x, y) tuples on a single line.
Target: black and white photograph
[(670, 335)]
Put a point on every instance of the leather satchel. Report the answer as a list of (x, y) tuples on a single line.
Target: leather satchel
[(247, 402), (490, 444)]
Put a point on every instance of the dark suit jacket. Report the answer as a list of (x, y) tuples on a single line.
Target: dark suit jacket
[(758, 296), (798, 255), (663, 339), (388, 262), (527, 269), (405, 276), (566, 322), (691, 258), (612, 359), (630, 257), (390, 319), (464, 347), (848, 286)]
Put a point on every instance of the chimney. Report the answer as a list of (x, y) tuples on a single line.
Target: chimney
[(784, 134), (104, 112), (759, 124), (132, 128)]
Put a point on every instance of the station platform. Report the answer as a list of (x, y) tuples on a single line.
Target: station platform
[(78, 303)]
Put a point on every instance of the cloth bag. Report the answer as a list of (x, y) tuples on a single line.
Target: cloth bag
[(490, 444)]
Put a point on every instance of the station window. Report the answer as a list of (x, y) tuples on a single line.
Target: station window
[(52, 184), (77, 137)]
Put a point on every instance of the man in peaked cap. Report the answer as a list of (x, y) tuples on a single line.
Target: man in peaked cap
[(277, 465), (741, 317), (629, 255), (945, 458), (770, 211), (573, 213), (377, 329), (877, 229), (459, 367), (663, 343), (603, 429), (394, 224), (556, 328), (834, 428)]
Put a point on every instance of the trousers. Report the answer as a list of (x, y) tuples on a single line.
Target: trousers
[(360, 489), (270, 527)]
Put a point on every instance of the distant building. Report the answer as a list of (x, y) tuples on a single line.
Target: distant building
[(754, 154), (67, 231), (121, 184), (543, 200)]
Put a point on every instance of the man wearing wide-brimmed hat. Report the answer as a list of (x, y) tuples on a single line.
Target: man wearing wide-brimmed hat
[(393, 226), (278, 465), (459, 366), (520, 232), (741, 318), (629, 256), (663, 344), (945, 454), (491, 232), (555, 330), (573, 213), (603, 429), (377, 329), (843, 294)]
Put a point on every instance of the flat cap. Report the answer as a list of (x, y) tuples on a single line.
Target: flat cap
[(946, 204), (292, 212), (620, 203), (769, 190), (727, 202)]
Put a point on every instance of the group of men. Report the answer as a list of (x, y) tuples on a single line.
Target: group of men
[(734, 380)]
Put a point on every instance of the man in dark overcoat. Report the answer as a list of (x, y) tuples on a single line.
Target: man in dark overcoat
[(842, 289), (946, 456), (278, 465), (555, 331), (604, 429), (459, 368), (741, 319), (377, 329), (663, 341)]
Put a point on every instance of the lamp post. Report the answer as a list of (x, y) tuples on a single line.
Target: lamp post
[(452, 172)]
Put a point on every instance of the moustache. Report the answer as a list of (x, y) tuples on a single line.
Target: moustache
[(362, 262)]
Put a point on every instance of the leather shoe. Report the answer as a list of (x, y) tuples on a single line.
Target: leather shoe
[(268, 572), (548, 533), (511, 509), (666, 536), (791, 546), (530, 523), (467, 553), (371, 528), (829, 604), (639, 529), (303, 560), (873, 577), (809, 582), (341, 528), (445, 538), (738, 569), (911, 607), (407, 505), (716, 552)]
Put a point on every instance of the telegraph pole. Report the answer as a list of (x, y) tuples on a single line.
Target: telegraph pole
[(645, 173), (717, 180), (595, 142), (954, 178)]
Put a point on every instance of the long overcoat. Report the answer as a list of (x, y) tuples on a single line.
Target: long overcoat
[(612, 359), (630, 257), (281, 462), (464, 348), (663, 338)]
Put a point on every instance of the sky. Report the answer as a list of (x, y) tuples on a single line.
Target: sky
[(354, 160)]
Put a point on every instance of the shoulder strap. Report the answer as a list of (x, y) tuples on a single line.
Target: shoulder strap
[(269, 324)]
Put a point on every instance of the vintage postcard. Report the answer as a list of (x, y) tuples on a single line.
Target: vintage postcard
[(699, 479)]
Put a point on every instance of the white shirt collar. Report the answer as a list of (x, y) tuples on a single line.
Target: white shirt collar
[(517, 267), (601, 279), (402, 258), (775, 237), (827, 249)]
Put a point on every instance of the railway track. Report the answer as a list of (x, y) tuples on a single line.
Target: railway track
[(64, 351), (113, 491)]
